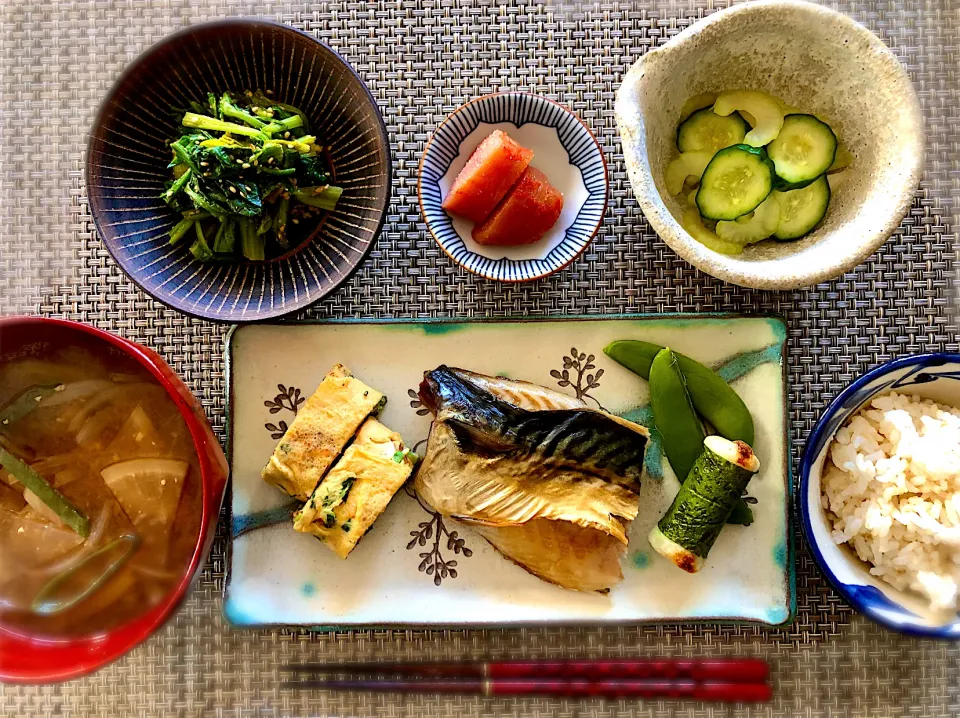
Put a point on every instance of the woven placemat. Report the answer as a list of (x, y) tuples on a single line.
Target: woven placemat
[(422, 59)]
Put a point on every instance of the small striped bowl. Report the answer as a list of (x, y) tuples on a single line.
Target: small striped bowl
[(128, 155), (564, 149)]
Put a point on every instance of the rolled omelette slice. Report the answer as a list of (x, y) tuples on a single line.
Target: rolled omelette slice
[(357, 489), (323, 426)]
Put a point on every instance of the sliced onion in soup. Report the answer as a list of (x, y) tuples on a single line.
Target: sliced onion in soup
[(68, 476), (76, 390), (10, 498), (41, 508), (17, 449), (51, 465), (116, 394)]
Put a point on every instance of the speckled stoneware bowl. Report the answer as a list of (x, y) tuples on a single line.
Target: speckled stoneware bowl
[(809, 57), (929, 376)]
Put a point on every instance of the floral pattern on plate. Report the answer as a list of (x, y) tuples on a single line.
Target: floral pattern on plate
[(415, 567)]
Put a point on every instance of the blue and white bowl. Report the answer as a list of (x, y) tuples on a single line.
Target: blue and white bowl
[(929, 376), (564, 149)]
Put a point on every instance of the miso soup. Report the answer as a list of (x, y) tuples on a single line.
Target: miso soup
[(100, 494)]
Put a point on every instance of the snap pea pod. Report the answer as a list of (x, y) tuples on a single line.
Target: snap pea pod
[(712, 397), (742, 514), (57, 502), (673, 401), (674, 415)]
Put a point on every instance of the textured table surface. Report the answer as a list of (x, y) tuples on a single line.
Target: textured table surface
[(422, 59)]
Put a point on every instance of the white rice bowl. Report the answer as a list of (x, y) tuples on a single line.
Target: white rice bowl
[(891, 490)]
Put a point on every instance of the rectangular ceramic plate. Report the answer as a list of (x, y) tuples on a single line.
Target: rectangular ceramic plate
[(415, 569)]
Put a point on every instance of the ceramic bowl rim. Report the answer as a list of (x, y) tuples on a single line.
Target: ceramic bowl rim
[(382, 139), (121, 639), (566, 110), (807, 468), (757, 274)]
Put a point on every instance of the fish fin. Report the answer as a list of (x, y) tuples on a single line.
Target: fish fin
[(471, 521)]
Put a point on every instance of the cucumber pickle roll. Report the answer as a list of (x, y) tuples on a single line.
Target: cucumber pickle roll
[(705, 501)]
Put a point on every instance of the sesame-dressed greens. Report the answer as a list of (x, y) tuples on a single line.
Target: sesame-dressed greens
[(244, 170)]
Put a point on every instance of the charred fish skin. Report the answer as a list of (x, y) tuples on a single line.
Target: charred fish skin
[(452, 397), (522, 394), (586, 439), (549, 482)]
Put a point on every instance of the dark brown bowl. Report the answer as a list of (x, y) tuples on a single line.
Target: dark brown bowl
[(128, 156)]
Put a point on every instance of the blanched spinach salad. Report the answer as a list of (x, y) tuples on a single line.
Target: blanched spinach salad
[(245, 169)]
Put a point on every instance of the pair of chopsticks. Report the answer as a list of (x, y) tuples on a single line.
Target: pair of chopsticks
[(726, 680)]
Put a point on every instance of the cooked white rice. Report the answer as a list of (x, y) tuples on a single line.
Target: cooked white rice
[(892, 492)]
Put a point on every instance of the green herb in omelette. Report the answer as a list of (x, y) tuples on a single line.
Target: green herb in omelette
[(245, 169), (331, 495)]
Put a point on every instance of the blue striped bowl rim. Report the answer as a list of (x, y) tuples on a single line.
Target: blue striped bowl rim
[(518, 108), (848, 575)]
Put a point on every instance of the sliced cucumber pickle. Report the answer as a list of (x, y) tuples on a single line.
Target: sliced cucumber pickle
[(781, 185), (763, 223), (802, 209), (697, 102), (688, 164), (843, 160), (804, 149), (735, 182), (692, 222), (763, 112), (706, 131)]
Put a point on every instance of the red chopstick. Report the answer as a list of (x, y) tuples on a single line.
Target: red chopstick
[(579, 688), (725, 680), (728, 670)]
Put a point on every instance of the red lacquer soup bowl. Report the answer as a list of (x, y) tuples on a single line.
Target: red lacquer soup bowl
[(28, 657)]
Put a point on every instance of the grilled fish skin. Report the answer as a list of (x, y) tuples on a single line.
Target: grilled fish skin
[(550, 483), (506, 490), (567, 544), (587, 440), (522, 394)]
